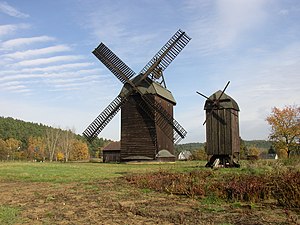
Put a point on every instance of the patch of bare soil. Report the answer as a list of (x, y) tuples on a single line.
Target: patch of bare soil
[(116, 202)]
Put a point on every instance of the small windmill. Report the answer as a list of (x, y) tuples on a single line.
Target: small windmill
[(147, 123), (222, 129)]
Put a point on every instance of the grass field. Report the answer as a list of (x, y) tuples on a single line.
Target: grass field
[(82, 172), (97, 193)]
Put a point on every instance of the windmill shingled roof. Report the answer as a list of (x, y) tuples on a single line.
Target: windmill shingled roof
[(163, 92), (230, 104), (150, 87), (114, 145)]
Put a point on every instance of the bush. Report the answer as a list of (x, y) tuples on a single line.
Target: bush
[(190, 184), (251, 188), (287, 189), (281, 186), (199, 154)]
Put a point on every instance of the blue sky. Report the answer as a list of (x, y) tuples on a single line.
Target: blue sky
[(49, 75)]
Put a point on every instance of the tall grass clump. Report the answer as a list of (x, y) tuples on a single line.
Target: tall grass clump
[(280, 185), (248, 187), (190, 184), (286, 189)]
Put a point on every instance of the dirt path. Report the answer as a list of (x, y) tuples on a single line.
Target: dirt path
[(113, 202)]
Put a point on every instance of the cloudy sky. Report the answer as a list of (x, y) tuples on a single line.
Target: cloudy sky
[(49, 75)]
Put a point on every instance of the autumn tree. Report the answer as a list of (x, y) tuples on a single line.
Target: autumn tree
[(36, 148), (3, 150), (13, 146), (80, 150), (199, 154), (253, 151), (52, 136), (285, 127), (66, 141), (243, 149), (9, 148)]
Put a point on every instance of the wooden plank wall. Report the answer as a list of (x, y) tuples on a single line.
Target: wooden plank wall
[(222, 132), (235, 132), (137, 131), (165, 132), (140, 135), (111, 156)]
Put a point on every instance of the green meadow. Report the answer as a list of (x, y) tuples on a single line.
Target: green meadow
[(82, 172)]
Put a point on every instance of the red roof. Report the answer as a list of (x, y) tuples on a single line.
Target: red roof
[(114, 145)]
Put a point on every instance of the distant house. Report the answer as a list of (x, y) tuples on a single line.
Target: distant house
[(112, 152), (185, 155), (268, 156)]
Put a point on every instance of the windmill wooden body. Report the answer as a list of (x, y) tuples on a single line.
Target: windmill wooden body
[(141, 133), (222, 130), (147, 123)]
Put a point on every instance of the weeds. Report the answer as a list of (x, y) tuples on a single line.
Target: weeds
[(250, 188), (287, 189), (212, 185), (190, 184)]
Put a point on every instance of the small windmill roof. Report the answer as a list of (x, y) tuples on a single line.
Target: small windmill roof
[(164, 154), (225, 102), (114, 145)]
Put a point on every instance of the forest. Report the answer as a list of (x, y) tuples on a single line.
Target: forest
[(20, 140)]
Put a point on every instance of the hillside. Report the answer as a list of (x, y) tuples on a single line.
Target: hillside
[(22, 131)]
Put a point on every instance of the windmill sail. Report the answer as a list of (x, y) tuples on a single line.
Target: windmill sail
[(113, 63), (166, 54), (104, 118), (152, 70)]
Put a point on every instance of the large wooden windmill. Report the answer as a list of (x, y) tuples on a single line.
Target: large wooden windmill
[(222, 129), (147, 123)]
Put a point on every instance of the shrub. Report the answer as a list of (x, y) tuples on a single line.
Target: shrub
[(282, 186), (199, 154), (251, 188), (190, 184), (287, 189)]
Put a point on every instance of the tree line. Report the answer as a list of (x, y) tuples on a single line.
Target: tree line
[(20, 140), (253, 147), (284, 138)]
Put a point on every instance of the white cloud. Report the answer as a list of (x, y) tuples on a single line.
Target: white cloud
[(76, 79), (8, 84), (11, 11), (36, 52), (25, 41), (61, 67), (15, 87), (43, 61), (12, 28), (21, 77)]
